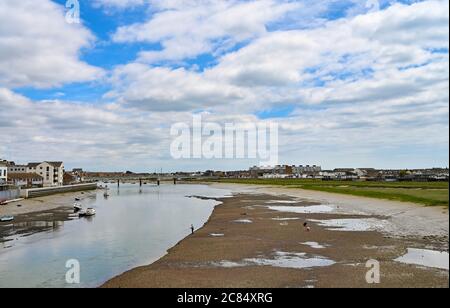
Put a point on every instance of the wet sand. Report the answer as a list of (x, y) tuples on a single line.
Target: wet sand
[(247, 244), (46, 203)]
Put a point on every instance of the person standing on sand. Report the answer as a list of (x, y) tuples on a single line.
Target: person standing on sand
[(306, 227), (192, 229)]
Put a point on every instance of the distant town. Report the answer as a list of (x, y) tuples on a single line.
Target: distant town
[(53, 174)]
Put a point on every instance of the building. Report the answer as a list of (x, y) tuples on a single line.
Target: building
[(69, 179), (285, 171), (26, 180), (17, 168), (51, 172), (299, 170), (3, 173)]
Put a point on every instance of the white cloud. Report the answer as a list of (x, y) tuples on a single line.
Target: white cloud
[(88, 135), (38, 48), (187, 29), (164, 89), (355, 57), (119, 4)]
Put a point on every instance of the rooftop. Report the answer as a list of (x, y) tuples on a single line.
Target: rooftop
[(24, 176)]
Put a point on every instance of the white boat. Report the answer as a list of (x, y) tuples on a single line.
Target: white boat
[(87, 213), (90, 212), (77, 206), (6, 218)]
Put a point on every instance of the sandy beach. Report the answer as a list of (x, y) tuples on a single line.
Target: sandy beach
[(257, 238)]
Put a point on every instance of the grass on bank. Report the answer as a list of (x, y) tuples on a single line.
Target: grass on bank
[(426, 193)]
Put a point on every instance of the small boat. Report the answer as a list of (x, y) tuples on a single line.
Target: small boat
[(6, 218), (77, 199), (77, 207), (90, 212), (87, 213)]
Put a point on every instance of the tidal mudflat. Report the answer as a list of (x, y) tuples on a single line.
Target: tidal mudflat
[(276, 250)]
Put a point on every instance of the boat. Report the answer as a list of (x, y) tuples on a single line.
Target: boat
[(77, 199), (87, 213), (6, 218), (90, 212), (77, 206)]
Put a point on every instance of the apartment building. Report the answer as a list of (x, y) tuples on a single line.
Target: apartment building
[(51, 172), (3, 173)]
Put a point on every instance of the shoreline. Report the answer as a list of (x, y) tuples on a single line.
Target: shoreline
[(218, 254), (45, 203)]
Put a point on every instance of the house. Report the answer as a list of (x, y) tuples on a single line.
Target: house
[(26, 180), (69, 179), (3, 173), (279, 171)]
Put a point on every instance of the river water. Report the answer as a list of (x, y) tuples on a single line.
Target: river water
[(134, 226)]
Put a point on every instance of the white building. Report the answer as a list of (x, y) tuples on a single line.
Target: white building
[(51, 172), (3, 173), (17, 169)]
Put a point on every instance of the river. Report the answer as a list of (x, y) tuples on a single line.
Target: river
[(134, 226)]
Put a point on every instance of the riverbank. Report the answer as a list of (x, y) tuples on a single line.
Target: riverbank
[(42, 204), (257, 239)]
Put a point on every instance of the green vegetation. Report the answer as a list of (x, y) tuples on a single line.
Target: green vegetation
[(426, 193)]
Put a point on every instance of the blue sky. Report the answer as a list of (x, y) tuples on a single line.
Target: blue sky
[(351, 83)]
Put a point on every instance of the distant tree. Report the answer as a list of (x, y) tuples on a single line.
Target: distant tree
[(403, 173)]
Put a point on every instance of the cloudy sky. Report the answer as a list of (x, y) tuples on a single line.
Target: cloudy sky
[(351, 83)]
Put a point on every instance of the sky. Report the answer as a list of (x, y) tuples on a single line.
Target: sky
[(350, 83)]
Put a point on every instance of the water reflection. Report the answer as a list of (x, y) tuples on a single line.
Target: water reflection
[(133, 227)]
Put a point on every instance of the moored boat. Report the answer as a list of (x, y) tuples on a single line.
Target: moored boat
[(87, 213), (77, 206), (90, 212), (6, 218)]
